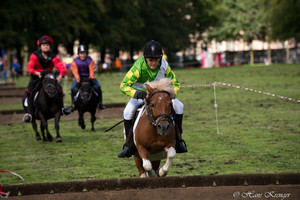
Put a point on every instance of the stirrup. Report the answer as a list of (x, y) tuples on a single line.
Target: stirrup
[(66, 111), (184, 149), (27, 115)]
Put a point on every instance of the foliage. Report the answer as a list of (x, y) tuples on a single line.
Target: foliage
[(240, 20), (109, 25), (284, 19), (260, 133)]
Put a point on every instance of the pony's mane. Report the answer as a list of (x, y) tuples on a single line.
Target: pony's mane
[(163, 84)]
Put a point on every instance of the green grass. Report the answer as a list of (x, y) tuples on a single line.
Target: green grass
[(259, 133)]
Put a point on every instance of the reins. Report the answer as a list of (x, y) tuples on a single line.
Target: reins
[(164, 117)]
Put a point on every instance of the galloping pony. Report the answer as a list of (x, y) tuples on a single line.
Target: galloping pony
[(154, 133), (86, 100), (48, 103)]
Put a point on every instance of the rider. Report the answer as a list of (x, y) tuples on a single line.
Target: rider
[(84, 66), (40, 60), (149, 67)]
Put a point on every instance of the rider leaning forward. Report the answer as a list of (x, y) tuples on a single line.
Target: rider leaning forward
[(40, 60), (149, 67), (84, 66)]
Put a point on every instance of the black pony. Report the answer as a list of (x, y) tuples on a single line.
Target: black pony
[(86, 100), (48, 103)]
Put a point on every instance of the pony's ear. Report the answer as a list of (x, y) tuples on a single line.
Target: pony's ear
[(149, 88)]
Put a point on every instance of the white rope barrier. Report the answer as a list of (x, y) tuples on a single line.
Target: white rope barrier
[(234, 86), (240, 87)]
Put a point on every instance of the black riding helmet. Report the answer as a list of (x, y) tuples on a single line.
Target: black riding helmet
[(82, 48), (153, 49)]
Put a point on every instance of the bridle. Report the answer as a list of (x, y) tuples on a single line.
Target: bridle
[(164, 117), (86, 93)]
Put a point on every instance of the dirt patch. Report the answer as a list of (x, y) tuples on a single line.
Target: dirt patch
[(10, 100), (17, 117), (193, 187)]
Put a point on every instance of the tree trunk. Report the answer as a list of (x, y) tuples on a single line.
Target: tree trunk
[(70, 47), (25, 60), (251, 54), (131, 54), (102, 54), (287, 53), (269, 53)]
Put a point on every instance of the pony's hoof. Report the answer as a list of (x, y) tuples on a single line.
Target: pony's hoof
[(83, 126), (152, 173), (38, 138), (93, 129), (50, 138), (58, 139), (162, 173)]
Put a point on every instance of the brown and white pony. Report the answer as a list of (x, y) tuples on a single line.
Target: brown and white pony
[(154, 135)]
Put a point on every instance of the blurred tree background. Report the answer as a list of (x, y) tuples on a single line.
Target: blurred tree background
[(111, 25)]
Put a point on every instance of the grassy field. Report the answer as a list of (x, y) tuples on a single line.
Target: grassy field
[(259, 133)]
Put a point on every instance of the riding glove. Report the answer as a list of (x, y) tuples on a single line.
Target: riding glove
[(140, 94)]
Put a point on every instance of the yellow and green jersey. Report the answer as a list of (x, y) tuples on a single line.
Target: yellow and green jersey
[(140, 73)]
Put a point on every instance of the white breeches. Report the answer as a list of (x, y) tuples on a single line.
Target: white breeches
[(134, 103)]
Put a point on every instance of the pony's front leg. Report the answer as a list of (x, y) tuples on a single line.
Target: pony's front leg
[(34, 126), (44, 125), (146, 162), (139, 166), (81, 120), (57, 118), (171, 152), (43, 132)]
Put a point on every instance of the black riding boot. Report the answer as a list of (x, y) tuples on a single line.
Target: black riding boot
[(99, 91), (28, 116), (73, 100), (126, 152), (180, 143)]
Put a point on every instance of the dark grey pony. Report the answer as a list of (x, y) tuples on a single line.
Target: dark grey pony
[(48, 104), (86, 100)]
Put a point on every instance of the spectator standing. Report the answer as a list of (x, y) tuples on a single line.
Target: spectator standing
[(118, 65)]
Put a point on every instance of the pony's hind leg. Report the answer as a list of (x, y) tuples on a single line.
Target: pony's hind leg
[(93, 119), (170, 155), (81, 121), (155, 165)]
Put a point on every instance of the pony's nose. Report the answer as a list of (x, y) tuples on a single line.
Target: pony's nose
[(51, 89), (163, 127)]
